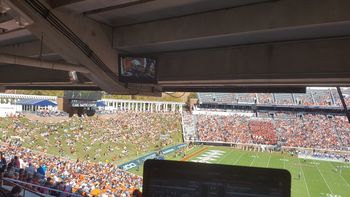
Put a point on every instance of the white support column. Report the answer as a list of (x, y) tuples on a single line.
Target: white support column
[(129, 106), (143, 106), (151, 104), (166, 107), (180, 109), (137, 106)]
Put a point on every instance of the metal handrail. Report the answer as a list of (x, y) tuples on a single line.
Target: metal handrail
[(17, 182), (21, 186)]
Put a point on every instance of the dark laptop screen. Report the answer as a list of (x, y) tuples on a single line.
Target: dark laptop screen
[(185, 179)]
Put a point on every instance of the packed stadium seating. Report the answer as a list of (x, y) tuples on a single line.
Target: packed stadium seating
[(189, 127), (310, 131), (91, 145), (263, 132), (58, 173)]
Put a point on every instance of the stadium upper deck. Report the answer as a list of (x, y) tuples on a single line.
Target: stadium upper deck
[(312, 97)]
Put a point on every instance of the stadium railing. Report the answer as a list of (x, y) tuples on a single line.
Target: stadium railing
[(233, 144), (263, 147), (316, 149), (8, 183)]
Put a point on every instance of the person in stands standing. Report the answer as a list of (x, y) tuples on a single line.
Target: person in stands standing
[(17, 162), (3, 163), (42, 170)]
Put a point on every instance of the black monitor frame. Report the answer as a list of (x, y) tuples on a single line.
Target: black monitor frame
[(174, 177), (131, 79)]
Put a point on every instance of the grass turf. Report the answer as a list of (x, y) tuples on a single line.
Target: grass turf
[(318, 178)]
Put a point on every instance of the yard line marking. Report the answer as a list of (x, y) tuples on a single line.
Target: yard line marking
[(222, 158), (344, 180), (302, 171), (341, 175), (284, 162), (239, 158), (251, 163), (268, 163), (329, 188)]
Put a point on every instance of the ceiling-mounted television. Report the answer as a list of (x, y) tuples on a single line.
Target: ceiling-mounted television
[(137, 69)]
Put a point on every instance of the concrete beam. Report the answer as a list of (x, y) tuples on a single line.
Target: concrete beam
[(264, 22), (50, 86), (61, 3), (16, 36), (28, 49), (34, 62), (91, 48), (292, 63), (28, 75)]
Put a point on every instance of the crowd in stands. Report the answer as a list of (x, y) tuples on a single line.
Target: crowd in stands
[(315, 131), (263, 132), (115, 137), (311, 131), (188, 127), (92, 147), (78, 176), (223, 128), (266, 98), (47, 113)]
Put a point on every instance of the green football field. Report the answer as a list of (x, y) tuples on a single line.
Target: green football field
[(318, 178)]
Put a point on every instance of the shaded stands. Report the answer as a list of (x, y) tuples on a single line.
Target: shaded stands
[(312, 97), (36, 104), (303, 99), (284, 99), (228, 98), (337, 110), (323, 97), (265, 98)]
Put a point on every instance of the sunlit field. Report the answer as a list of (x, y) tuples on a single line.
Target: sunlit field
[(318, 178)]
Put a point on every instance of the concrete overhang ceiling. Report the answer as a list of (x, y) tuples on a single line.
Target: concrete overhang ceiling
[(215, 44)]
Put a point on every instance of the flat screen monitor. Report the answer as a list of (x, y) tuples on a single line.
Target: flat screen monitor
[(189, 179), (133, 69), (82, 95)]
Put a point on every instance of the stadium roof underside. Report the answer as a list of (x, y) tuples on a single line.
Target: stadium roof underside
[(199, 44)]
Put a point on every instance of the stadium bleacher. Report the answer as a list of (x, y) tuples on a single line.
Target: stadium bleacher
[(312, 97), (121, 136), (308, 131)]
